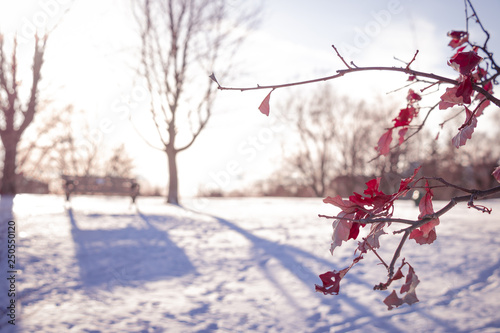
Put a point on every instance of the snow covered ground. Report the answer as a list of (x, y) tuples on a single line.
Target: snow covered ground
[(239, 265)]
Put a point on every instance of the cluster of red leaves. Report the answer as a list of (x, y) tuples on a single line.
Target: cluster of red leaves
[(408, 288), (374, 204), (467, 64), (402, 121)]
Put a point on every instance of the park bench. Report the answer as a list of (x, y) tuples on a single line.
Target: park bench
[(100, 185)]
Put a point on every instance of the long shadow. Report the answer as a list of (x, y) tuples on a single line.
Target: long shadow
[(127, 256), (287, 256)]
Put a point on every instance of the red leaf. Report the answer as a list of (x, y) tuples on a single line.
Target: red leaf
[(341, 230), (345, 205), (371, 241), (401, 134), (393, 300), (496, 174), (405, 116), (384, 143), (465, 62), (466, 130), (330, 286), (465, 90), (409, 287), (413, 96), (403, 186), (426, 234), (450, 98), (264, 106), (458, 38)]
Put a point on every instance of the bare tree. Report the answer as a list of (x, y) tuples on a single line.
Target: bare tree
[(182, 41), (335, 139), (16, 116), (120, 164)]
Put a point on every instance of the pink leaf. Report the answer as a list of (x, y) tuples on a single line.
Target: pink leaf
[(345, 205), (264, 106), (496, 174), (401, 134), (384, 143), (341, 230), (371, 241), (393, 300), (466, 130), (426, 234), (450, 99)]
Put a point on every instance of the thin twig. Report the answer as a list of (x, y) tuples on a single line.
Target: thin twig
[(412, 60), (341, 58)]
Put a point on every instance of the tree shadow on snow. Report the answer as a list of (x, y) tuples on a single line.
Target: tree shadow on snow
[(352, 319), (126, 256), (287, 256)]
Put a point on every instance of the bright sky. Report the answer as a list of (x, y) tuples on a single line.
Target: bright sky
[(88, 64)]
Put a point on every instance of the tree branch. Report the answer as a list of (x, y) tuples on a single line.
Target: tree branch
[(342, 72)]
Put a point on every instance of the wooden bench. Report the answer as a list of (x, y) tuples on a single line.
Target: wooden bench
[(100, 185)]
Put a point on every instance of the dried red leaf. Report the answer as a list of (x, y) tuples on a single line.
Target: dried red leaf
[(342, 230), (458, 38), (371, 241), (465, 62), (264, 106), (450, 99), (466, 130), (465, 90), (331, 279), (405, 116), (413, 96), (345, 205), (402, 133), (426, 234), (408, 288), (384, 143)]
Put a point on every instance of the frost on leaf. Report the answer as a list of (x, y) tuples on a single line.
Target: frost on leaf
[(426, 234), (264, 106), (408, 288), (496, 174), (331, 279), (384, 143), (466, 130)]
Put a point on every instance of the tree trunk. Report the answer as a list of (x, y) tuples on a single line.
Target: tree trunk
[(173, 181), (9, 166)]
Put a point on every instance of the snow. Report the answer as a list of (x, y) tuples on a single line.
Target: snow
[(239, 265)]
